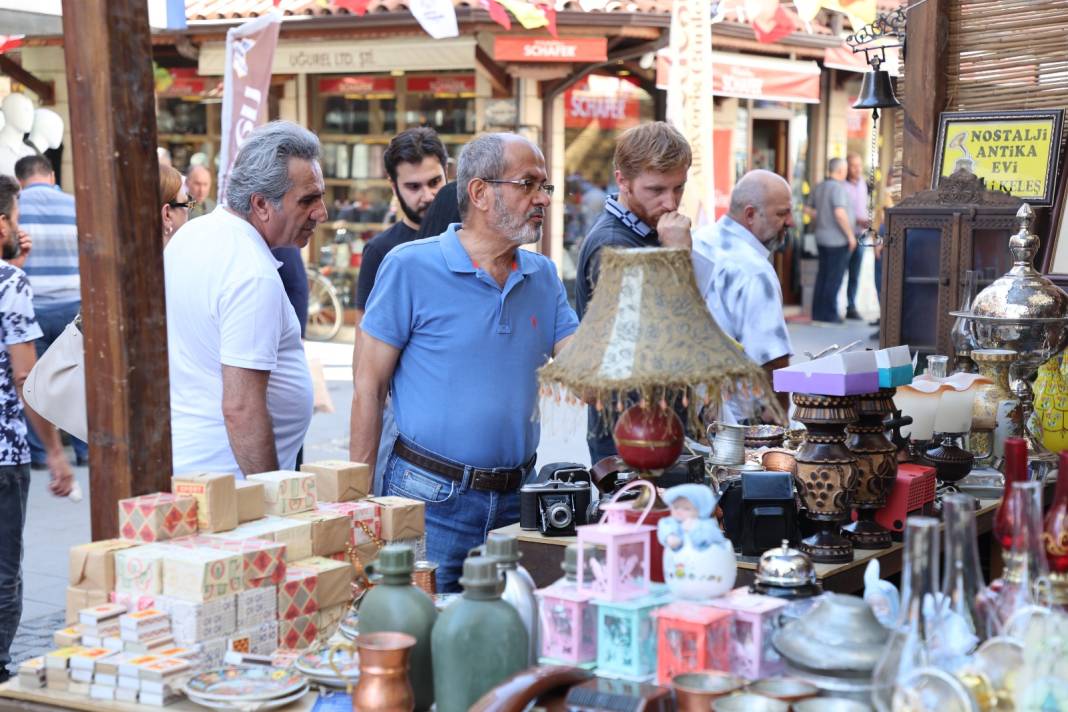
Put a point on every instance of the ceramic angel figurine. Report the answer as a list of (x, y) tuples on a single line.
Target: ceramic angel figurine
[(699, 562)]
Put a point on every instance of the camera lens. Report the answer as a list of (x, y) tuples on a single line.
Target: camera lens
[(559, 515)]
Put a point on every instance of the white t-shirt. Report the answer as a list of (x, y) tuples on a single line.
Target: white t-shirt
[(226, 305)]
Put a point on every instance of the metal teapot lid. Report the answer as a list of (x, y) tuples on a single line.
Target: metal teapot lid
[(785, 566), (1022, 292), (840, 633)]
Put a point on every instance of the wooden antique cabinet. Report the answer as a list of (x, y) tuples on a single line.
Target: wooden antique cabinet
[(932, 239)]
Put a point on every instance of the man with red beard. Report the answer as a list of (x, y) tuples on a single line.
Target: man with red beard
[(651, 163), (456, 329)]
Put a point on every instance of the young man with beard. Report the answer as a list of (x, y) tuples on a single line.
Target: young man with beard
[(415, 163), (457, 327), (651, 163)]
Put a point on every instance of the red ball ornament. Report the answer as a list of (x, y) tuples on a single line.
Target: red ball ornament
[(648, 438)]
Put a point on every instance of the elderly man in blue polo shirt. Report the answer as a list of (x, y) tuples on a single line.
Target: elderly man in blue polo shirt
[(456, 327)]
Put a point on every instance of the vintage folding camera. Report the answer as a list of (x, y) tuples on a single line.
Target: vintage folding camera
[(554, 508)]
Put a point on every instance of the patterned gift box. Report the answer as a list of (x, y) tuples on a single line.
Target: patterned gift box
[(201, 574), (139, 570), (334, 581), (256, 605), (363, 513), (156, 517), (261, 639), (402, 518), (330, 531), (92, 566), (193, 622), (133, 601), (296, 595), (287, 492), (293, 533), (298, 633), (216, 498), (329, 620), (339, 481), (262, 560)]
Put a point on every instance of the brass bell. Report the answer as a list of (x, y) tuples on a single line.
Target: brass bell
[(877, 92)]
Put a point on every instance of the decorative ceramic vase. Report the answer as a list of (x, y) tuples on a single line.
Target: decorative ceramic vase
[(826, 473), (396, 605), (995, 410), (1051, 405), (699, 561), (876, 469), (384, 685)]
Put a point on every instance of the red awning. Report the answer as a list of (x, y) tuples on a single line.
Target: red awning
[(747, 76)]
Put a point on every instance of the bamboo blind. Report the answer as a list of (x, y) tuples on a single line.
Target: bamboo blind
[(1007, 54)]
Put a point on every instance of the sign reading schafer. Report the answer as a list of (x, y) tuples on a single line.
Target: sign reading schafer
[(1014, 151), (537, 49)]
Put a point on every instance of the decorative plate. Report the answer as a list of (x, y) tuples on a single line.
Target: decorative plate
[(244, 683), (250, 705), (316, 664)]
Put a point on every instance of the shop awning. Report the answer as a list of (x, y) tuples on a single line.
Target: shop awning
[(750, 77)]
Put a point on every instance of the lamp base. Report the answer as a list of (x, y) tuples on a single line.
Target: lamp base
[(827, 546), (866, 533)]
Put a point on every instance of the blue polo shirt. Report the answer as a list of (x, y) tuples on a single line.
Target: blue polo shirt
[(466, 384)]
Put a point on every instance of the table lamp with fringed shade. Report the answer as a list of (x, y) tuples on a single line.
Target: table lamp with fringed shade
[(647, 330)]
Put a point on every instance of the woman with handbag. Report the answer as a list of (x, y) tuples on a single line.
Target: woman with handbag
[(18, 330)]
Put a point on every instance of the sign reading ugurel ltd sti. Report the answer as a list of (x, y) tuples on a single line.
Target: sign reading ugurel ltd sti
[(1014, 151)]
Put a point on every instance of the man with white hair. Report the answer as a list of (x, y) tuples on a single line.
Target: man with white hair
[(241, 394), (457, 326), (737, 279)]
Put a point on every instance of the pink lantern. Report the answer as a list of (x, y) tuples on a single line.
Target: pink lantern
[(617, 567), (691, 637), (755, 616), (568, 624)]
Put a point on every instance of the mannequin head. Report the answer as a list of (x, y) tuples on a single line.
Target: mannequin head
[(18, 111), (47, 131)]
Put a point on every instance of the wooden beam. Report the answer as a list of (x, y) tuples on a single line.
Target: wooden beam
[(926, 50), (499, 79), (113, 128), (45, 90)]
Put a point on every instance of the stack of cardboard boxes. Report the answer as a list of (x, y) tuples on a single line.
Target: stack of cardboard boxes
[(218, 564)]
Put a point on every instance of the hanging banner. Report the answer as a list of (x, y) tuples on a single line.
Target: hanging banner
[(750, 77), (723, 145), (689, 102), (246, 81), (436, 17), (612, 103)]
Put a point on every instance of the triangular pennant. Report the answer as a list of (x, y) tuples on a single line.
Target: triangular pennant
[(529, 15), (436, 17), (778, 26), (550, 17), (497, 13), (356, 7), (808, 9)]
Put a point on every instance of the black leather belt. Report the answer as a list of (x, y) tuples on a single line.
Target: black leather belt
[(496, 480)]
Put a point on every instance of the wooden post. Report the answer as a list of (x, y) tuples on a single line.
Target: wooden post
[(113, 129), (926, 50)]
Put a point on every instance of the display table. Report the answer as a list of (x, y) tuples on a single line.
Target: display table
[(542, 556), (13, 697)]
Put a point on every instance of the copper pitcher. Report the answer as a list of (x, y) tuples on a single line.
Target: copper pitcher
[(384, 685)]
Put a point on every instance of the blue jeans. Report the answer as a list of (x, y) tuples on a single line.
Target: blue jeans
[(52, 320), (385, 447), (833, 262), (458, 518), (14, 493), (853, 284)]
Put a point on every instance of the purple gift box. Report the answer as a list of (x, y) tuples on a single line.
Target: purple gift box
[(845, 374)]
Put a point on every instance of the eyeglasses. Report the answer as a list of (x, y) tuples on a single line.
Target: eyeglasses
[(529, 186), (189, 204)]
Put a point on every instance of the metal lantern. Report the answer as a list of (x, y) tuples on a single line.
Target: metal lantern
[(613, 556), (691, 637), (754, 620), (626, 636)]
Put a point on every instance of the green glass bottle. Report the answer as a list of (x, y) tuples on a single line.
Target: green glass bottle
[(479, 641), (395, 605)]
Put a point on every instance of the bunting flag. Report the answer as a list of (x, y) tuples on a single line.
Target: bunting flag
[(859, 12), (10, 42), (436, 17), (808, 9), (773, 28), (497, 13), (550, 17), (529, 15), (356, 7)]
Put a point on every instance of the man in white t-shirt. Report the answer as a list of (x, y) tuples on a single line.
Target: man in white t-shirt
[(241, 394)]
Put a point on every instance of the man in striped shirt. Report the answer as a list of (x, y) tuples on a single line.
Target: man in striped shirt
[(47, 214)]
